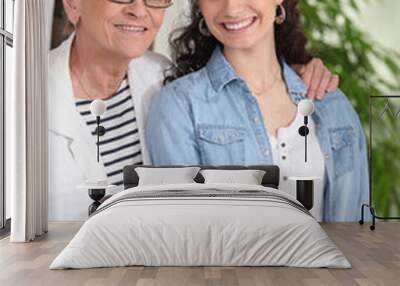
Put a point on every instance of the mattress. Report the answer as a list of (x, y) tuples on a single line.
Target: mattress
[(201, 225)]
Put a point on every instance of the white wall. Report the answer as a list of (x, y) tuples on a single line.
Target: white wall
[(380, 19), (174, 17)]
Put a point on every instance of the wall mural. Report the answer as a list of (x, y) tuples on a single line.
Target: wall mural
[(109, 64)]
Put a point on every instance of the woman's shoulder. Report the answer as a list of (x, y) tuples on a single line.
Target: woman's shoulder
[(58, 65), (180, 92), (336, 98), (339, 107), (58, 56), (152, 61), (148, 70), (194, 82)]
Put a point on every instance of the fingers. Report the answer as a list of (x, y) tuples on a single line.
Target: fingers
[(323, 85), (333, 84), (308, 73), (299, 69), (315, 78)]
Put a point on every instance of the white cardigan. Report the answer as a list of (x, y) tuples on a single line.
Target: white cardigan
[(72, 148)]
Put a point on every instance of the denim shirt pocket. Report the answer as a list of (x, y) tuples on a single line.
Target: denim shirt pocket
[(342, 142), (221, 145)]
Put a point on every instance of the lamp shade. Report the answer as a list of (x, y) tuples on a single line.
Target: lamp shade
[(306, 107), (98, 107)]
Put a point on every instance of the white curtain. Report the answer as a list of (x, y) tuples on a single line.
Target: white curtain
[(26, 123), (49, 16)]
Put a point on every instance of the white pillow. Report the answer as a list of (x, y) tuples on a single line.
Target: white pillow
[(248, 177), (165, 176)]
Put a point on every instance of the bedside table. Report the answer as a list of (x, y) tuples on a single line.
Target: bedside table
[(305, 190), (96, 193)]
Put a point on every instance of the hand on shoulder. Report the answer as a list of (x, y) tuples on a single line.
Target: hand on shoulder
[(318, 78)]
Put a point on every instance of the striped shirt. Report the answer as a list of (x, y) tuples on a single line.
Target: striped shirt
[(120, 145)]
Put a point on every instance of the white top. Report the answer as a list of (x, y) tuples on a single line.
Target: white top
[(120, 145), (288, 153)]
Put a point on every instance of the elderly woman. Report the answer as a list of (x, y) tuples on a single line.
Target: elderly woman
[(107, 58), (233, 100)]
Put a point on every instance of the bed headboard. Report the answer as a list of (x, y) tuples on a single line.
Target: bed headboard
[(271, 177)]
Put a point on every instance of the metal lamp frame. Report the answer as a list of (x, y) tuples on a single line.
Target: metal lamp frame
[(370, 204)]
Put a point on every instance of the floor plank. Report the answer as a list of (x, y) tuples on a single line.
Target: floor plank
[(374, 255)]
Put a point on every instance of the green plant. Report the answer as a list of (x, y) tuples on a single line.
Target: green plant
[(354, 56)]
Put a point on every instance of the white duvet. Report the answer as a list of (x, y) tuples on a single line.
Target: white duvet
[(200, 231)]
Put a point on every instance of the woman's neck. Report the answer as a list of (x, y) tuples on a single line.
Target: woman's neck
[(97, 73), (258, 66)]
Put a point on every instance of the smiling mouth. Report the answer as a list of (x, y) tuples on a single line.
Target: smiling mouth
[(131, 28), (239, 25)]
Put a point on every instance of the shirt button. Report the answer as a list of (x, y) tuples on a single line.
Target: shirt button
[(255, 119), (284, 178), (266, 152), (327, 157), (283, 145), (283, 157)]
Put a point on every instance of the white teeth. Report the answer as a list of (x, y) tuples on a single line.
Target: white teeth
[(239, 25), (131, 28)]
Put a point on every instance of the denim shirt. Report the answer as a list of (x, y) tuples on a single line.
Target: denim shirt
[(210, 117)]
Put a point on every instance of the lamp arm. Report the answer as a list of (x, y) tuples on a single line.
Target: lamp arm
[(305, 137), (98, 137)]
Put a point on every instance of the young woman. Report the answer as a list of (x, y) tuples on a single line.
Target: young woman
[(236, 103)]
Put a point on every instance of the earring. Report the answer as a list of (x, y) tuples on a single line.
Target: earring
[(76, 23), (282, 15), (203, 28)]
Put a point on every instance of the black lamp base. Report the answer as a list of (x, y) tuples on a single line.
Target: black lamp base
[(96, 195), (305, 193)]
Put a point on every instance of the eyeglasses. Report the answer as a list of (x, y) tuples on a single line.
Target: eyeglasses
[(148, 3)]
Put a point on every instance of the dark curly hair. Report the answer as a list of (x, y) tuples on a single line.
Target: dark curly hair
[(191, 50)]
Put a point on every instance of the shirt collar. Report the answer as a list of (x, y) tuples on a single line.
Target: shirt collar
[(219, 70), (220, 73), (298, 91), (296, 87)]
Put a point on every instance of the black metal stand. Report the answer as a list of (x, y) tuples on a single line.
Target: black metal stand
[(369, 205), (96, 195), (372, 210)]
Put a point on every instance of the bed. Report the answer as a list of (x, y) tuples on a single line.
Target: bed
[(199, 224)]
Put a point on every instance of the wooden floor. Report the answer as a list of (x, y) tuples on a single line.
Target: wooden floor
[(375, 257)]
